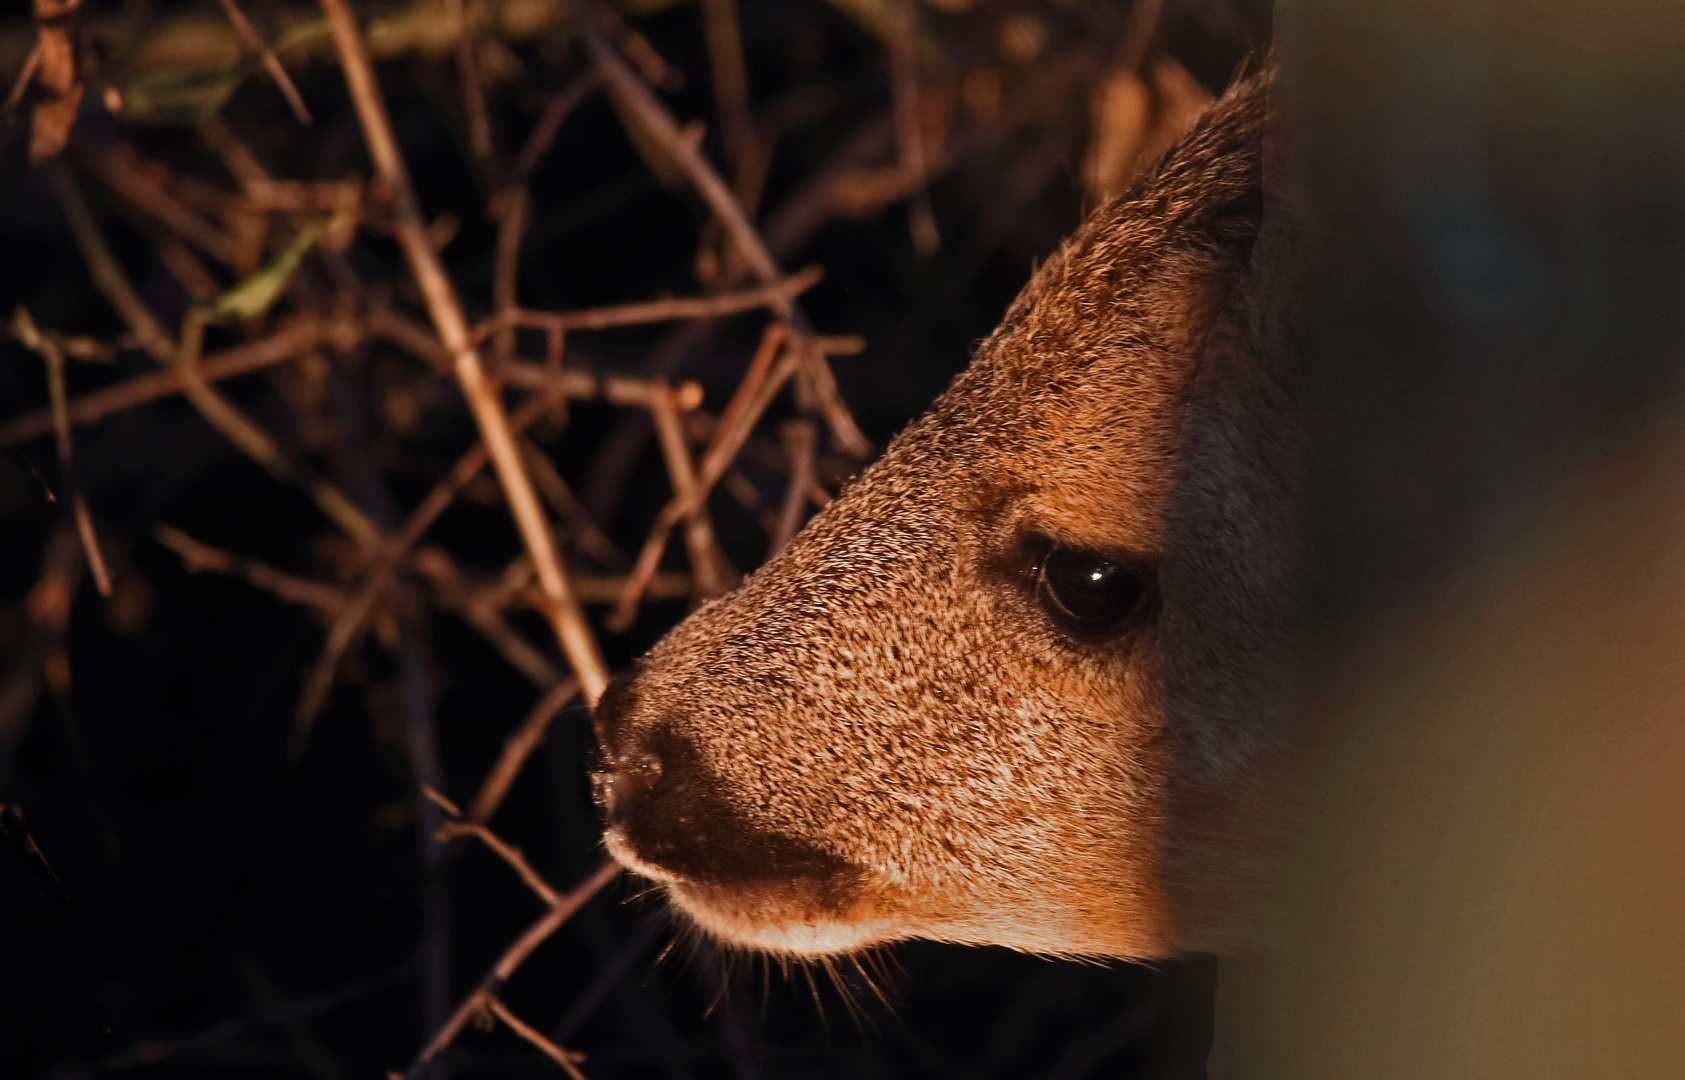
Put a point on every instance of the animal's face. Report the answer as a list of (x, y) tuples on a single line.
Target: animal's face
[(937, 713), (885, 733)]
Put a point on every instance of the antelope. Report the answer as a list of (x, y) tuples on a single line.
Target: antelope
[(1041, 679), (1017, 685)]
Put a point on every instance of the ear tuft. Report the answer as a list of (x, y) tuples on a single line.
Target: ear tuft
[(1153, 267)]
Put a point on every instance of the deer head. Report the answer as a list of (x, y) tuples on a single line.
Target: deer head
[(987, 694)]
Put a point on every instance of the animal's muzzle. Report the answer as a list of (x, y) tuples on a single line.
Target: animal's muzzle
[(654, 790), (618, 785), (623, 775), (667, 805)]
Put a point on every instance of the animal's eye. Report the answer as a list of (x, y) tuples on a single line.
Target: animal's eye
[(1086, 590)]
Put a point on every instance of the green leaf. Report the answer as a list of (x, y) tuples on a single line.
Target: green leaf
[(183, 73), (252, 297), (180, 96)]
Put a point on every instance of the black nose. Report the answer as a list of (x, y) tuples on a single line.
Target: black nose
[(619, 787), (667, 804), (624, 770)]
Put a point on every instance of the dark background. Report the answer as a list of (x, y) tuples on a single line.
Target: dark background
[(214, 910)]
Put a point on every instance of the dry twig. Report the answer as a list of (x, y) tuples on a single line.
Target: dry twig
[(198, 556), (774, 296), (760, 385), (707, 563), (567, 1059), (505, 851), (607, 590), (566, 618), (271, 63), (550, 121), (516, 749), (135, 181), (584, 533), (799, 443), (505, 266), (721, 28), (293, 339), (473, 94), (24, 329), (244, 433), (481, 610), (107, 275), (909, 133), (216, 409), (512, 958), (351, 617), (659, 124)]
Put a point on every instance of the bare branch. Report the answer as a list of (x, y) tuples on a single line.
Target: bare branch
[(799, 441), (481, 612), (186, 268), (244, 433), (516, 749), (659, 124), (731, 90), (707, 562), (607, 590), (511, 959), (107, 275), (909, 133), (439, 799), (350, 620), (565, 1058), (577, 523), (550, 121), (473, 94), (566, 618), (217, 410), (344, 630), (505, 266), (124, 173), (505, 851), (296, 337), (271, 63), (24, 329), (760, 385), (26, 75), (697, 307), (198, 556)]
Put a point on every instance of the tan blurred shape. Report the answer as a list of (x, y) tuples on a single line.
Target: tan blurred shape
[(1135, 119), (1022, 38), (1494, 882)]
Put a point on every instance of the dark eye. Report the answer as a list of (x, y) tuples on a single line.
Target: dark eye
[(1087, 590)]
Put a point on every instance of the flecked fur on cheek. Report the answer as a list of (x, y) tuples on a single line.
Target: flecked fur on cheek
[(882, 733)]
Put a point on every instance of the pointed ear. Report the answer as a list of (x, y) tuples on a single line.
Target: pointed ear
[(1204, 199), (1088, 375), (1155, 266)]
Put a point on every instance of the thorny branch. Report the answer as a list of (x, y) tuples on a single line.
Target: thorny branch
[(759, 386), (660, 125), (566, 618)]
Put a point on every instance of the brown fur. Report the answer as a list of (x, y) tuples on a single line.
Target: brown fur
[(881, 734)]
